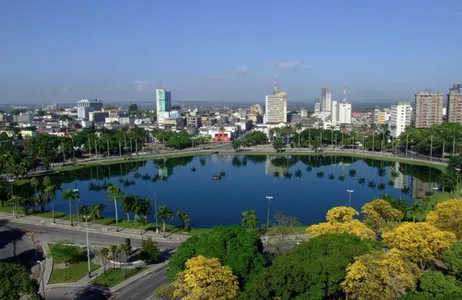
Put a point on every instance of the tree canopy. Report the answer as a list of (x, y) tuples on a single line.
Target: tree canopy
[(206, 278), (421, 242), (447, 216), (312, 270), (380, 276), (379, 214), (15, 282), (436, 285), (234, 246)]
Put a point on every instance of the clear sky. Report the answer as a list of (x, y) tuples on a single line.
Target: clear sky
[(225, 50)]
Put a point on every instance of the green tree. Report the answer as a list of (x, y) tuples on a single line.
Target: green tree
[(185, 219), (115, 194), (16, 201), (236, 247), (249, 219), (15, 282), (69, 196), (435, 285), (50, 193), (164, 213), (236, 144), (278, 144), (149, 252), (312, 270), (95, 211), (452, 258), (142, 222)]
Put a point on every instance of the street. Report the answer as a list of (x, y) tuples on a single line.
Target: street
[(144, 288)]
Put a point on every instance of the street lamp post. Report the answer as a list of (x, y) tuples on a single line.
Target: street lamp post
[(349, 197), (88, 246), (155, 212), (458, 171), (42, 280), (267, 216)]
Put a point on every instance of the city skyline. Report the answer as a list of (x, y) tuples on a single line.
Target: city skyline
[(63, 51)]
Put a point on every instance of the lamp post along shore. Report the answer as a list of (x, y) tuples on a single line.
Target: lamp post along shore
[(267, 216)]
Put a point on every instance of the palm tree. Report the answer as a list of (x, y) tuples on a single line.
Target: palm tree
[(113, 251), (115, 194), (50, 193), (15, 201), (35, 183), (142, 222), (249, 219), (413, 210), (127, 205), (70, 195), (185, 219), (104, 253), (141, 207), (95, 211), (164, 213)]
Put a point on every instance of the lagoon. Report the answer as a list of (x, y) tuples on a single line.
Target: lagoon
[(301, 186)]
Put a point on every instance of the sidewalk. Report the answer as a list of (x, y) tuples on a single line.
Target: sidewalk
[(102, 229), (154, 269)]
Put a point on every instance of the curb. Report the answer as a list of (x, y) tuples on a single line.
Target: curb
[(92, 230), (155, 269)]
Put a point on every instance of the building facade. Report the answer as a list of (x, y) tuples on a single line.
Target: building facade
[(163, 101), (317, 106), (326, 99), (276, 108), (400, 118), (85, 106), (428, 109), (454, 107), (341, 112)]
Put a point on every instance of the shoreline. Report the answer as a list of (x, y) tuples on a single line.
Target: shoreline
[(117, 160)]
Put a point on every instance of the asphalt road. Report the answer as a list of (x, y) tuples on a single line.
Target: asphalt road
[(143, 288), (48, 233)]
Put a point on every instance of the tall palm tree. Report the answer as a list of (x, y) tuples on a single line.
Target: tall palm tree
[(85, 212), (127, 205), (115, 194), (142, 222), (15, 201), (104, 253), (70, 195), (164, 213), (35, 183), (113, 251), (249, 219), (95, 211), (185, 219), (50, 194)]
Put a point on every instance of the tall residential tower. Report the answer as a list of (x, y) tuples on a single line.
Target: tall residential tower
[(276, 104), (326, 99), (428, 109), (400, 118), (163, 101), (455, 104)]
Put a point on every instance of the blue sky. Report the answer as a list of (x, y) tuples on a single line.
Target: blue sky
[(219, 50)]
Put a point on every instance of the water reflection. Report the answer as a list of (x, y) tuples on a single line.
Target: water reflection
[(303, 186)]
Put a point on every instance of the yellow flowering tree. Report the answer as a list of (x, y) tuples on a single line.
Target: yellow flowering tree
[(421, 242), (380, 276), (340, 219), (447, 216), (341, 214), (379, 215), (205, 278)]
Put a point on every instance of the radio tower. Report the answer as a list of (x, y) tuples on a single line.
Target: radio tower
[(344, 94), (276, 82)]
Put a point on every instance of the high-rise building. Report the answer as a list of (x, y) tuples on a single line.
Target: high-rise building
[(454, 108), (276, 108), (428, 109), (163, 101), (341, 112), (326, 99), (85, 106), (400, 118), (317, 106)]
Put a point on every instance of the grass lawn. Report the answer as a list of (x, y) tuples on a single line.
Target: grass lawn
[(71, 273), (115, 276)]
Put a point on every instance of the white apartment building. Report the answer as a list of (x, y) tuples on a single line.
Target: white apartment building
[(341, 112), (276, 108), (326, 99), (85, 106), (400, 118)]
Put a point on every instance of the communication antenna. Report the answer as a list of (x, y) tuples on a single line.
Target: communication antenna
[(344, 93), (276, 82)]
